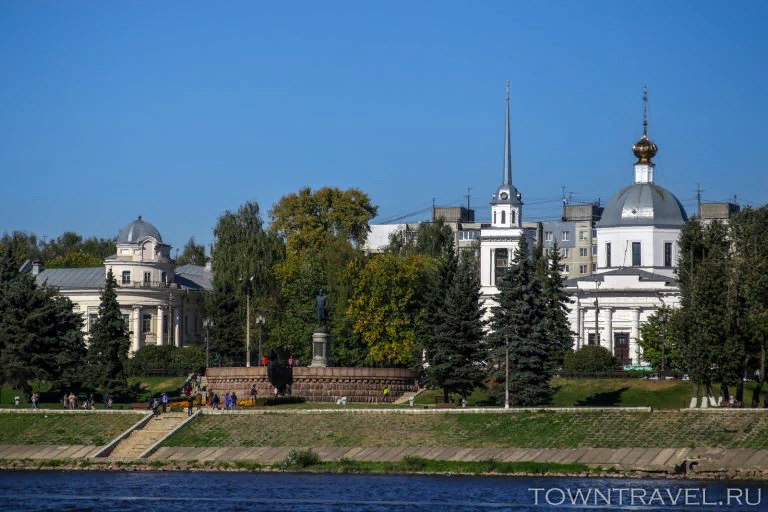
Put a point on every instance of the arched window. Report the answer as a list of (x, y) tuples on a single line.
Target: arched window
[(494, 217), (512, 217), (503, 217), (164, 278)]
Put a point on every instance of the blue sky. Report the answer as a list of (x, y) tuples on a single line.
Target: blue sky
[(179, 111)]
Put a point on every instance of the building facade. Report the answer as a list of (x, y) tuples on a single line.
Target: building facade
[(161, 303)]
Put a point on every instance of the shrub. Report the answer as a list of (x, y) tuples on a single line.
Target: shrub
[(413, 463), (590, 358), (301, 459), (171, 360), (280, 400)]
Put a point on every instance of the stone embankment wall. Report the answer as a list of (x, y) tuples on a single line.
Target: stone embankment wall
[(365, 385)]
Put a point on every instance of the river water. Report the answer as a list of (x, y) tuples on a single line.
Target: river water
[(208, 492)]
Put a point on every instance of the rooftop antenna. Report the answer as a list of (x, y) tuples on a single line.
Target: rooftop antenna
[(699, 190), (469, 189)]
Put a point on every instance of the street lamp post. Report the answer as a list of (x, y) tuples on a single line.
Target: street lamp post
[(506, 371), (260, 319)]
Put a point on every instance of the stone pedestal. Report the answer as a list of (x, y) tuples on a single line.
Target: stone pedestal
[(319, 349)]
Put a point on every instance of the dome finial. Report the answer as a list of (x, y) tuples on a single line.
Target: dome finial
[(644, 149)]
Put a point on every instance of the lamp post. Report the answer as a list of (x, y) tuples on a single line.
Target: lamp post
[(260, 319), (506, 377), (248, 323), (206, 324)]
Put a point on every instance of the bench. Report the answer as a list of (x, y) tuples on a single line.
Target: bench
[(727, 405)]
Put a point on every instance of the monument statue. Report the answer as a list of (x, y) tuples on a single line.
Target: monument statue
[(321, 308)]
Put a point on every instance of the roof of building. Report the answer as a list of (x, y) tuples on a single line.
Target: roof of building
[(194, 277), (136, 230), (643, 204), (93, 277), (643, 275)]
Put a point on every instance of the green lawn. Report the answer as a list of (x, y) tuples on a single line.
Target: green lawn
[(63, 429), (543, 429)]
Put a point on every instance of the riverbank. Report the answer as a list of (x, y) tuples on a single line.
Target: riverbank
[(412, 466)]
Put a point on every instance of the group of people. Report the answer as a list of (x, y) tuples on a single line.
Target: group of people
[(230, 401), (69, 401)]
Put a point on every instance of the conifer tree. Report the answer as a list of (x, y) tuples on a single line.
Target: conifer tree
[(556, 313), (519, 321), (109, 344)]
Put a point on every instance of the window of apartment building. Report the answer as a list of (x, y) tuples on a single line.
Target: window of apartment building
[(127, 320), (582, 269), (583, 252), (146, 323), (147, 277), (92, 321), (566, 268), (566, 253), (594, 249), (566, 236), (608, 255), (548, 236), (467, 235), (583, 235), (126, 277), (635, 254), (594, 233), (594, 267), (667, 254)]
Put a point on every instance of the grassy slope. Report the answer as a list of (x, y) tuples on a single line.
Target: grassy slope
[(605, 429), (659, 394), (62, 429)]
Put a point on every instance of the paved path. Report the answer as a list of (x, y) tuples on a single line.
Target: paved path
[(47, 451), (628, 458)]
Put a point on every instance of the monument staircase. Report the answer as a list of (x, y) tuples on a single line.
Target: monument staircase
[(142, 439), (407, 396)]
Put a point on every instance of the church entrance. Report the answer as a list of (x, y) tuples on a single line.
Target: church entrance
[(621, 347)]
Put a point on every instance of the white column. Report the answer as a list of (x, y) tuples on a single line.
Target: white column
[(609, 328), (578, 325), (159, 324), (493, 267), (634, 346), (136, 342), (177, 327), (583, 333)]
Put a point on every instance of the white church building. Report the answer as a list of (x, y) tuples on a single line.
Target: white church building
[(161, 303), (637, 240)]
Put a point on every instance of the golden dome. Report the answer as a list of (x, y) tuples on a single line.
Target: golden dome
[(644, 150)]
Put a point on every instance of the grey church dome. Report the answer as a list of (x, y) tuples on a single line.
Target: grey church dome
[(137, 230), (507, 194), (643, 204)]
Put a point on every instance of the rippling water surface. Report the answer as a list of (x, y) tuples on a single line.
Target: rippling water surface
[(207, 492)]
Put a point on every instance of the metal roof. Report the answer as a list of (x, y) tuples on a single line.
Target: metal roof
[(624, 271), (94, 277), (643, 204), (194, 277), (136, 230)]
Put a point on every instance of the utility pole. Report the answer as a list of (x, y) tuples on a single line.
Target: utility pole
[(506, 370), (468, 191), (261, 328)]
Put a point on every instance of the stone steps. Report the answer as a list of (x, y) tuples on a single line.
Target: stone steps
[(141, 440)]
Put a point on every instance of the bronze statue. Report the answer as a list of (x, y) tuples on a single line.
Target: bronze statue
[(321, 308)]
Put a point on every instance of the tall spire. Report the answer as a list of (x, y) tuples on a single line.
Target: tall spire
[(507, 146), (645, 110), (645, 149)]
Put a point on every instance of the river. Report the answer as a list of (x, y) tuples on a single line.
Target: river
[(221, 491)]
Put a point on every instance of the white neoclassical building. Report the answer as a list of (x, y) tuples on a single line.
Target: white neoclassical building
[(161, 303), (637, 239)]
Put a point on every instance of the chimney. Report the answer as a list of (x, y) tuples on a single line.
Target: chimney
[(37, 267)]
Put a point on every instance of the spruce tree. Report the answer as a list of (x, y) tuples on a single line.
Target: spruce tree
[(556, 313), (519, 321), (227, 333), (109, 344)]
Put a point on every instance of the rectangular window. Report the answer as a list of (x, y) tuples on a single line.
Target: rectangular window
[(667, 254), (594, 233), (635, 254), (608, 255), (565, 252), (147, 277), (165, 325), (126, 277), (146, 323), (594, 267), (583, 252), (566, 268), (591, 340), (582, 269), (566, 236), (594, 249), (127, 320), (468, 235), (548, 236), (92, 321), (621, 347), (583, 235)]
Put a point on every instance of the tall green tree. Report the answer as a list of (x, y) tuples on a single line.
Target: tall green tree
[(433, 239), (193, 254), (109, 344), (455, 350), (556, 313), (519, 322), (75, 259), (661, 329)]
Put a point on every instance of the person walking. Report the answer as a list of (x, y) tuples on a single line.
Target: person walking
[(165, 401), (35, 398), (199, 398), (72, 400), (227, 401), (234, 401), (253, 394), (199, 380), (215, 402), (190, 403), (105, 399), (149, 401)]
